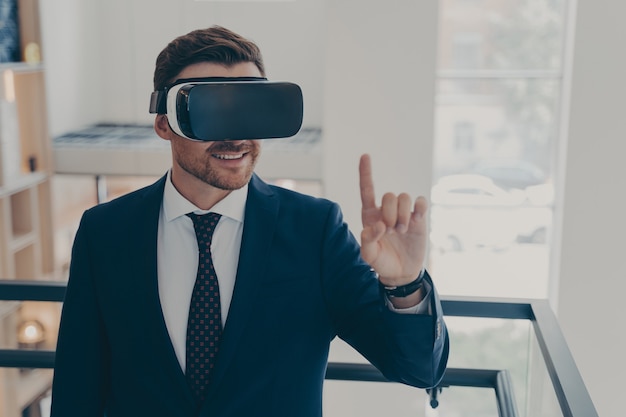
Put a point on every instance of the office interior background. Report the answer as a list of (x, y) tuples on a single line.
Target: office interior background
[(506, 114)]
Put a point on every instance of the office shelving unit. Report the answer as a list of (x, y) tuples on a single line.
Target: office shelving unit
[(26, 234), (25, 159)]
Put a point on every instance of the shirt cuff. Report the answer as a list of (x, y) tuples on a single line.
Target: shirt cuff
[(423, 307)]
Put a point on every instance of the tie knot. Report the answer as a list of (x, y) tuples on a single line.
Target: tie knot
[(204, 225)]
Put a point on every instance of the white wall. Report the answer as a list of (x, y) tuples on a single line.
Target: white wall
[(71, 53), (379, 97), (593, 266), (100, 54)]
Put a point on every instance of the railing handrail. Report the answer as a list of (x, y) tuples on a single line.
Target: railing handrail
[(20, 290), (498, 380), (568, 384)]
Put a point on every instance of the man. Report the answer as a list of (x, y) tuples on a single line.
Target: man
[(291, 277)]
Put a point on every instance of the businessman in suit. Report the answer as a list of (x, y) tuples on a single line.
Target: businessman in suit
[(289, 276)]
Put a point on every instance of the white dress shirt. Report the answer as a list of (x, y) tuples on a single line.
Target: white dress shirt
[(177, 259)]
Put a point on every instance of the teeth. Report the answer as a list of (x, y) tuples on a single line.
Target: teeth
[(237, 156)]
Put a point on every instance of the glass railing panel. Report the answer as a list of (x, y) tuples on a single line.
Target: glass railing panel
[(523, 355), (374, 399), (541, 400), (370, 399), (496, 344), (29, 325), (465, 402), (8, 324)]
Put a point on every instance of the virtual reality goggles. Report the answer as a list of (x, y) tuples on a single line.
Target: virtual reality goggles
[(222, 108)]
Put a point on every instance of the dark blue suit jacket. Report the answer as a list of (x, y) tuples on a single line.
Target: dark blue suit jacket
[(300, 282)]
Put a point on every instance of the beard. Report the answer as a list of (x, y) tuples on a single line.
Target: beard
[(200, 165)]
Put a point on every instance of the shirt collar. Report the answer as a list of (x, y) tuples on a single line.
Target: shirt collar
[(175, 205)]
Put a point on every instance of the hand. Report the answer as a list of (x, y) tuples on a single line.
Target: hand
[(394, 238)]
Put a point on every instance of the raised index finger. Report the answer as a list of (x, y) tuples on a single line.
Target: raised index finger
[(368, 199)]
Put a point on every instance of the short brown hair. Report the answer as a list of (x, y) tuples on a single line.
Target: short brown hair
[(215, 44)]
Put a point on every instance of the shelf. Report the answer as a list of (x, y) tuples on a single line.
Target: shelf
[(23, 241), (23, 204), (21, 67), (30, 99), (24, 140), (24, 182)]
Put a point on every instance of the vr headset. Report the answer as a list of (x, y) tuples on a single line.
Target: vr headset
[(223, 108)]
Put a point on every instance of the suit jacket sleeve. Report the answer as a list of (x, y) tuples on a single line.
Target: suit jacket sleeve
[(81, 361), (408, 348)]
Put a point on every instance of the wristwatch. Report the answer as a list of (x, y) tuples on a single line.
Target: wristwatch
[(403, 290)]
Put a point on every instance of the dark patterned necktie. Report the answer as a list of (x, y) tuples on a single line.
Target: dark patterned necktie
[(204, 326)]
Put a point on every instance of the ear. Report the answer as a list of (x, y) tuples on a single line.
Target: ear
[(162, 127)]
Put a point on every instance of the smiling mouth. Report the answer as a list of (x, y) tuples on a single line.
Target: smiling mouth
[(229, 156)]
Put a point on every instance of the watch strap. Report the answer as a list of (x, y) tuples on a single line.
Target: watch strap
[(403, 290)]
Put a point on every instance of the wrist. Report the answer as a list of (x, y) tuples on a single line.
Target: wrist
[(405, 290)]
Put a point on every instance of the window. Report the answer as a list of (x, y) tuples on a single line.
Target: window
[(466, 50), (497, 121), (463, 136), (496, 142)]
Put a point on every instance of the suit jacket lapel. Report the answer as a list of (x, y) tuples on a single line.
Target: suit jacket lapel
[(259, 223), (158, 338)]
